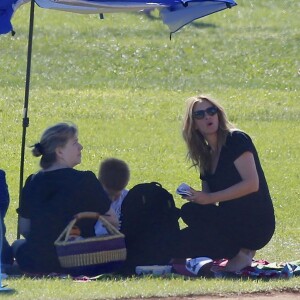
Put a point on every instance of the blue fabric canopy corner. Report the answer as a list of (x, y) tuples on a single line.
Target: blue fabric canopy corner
[(7, 9)]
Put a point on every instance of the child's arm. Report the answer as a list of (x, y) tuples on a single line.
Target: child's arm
[(111, 217)]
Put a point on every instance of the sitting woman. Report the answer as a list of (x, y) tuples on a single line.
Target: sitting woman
[(232, 216), (53, 196)]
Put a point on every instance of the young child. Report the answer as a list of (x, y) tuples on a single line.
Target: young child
[(114, 175)]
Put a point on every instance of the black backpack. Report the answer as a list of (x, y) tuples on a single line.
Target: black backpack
[(149, 221)]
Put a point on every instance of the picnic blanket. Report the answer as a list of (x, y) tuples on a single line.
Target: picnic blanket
[(201, 267), (206, 267)]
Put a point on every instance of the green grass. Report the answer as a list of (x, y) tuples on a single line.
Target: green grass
[(124, 83)]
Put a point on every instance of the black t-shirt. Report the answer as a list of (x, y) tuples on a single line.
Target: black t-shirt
[(50, 200), (257, 204)]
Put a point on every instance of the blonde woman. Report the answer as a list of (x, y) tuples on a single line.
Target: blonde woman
[(53, 196), (232, 216)]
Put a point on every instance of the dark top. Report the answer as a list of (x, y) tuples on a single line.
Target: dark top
[(4, 195), (256, 205), (50, 200), (6, 253)]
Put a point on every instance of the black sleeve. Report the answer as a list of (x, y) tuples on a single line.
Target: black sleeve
[(239, 143), (24, 208), (89, 196)]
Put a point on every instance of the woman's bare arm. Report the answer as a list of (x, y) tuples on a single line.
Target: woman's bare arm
[(245, 165)]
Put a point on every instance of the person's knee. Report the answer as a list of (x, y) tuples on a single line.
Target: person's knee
[(16, 245), (188, 213), (186, 209)]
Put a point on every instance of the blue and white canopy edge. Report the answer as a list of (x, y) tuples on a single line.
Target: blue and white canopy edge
[(185, 12), (174, 13)]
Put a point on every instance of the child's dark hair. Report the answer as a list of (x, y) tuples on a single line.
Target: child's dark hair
[(114, 174)]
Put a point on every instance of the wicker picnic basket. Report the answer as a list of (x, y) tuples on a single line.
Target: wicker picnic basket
[(93, 255)]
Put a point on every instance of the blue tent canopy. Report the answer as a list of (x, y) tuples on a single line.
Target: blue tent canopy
[(174, 13)]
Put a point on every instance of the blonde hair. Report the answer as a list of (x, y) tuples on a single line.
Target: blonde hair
[(199, 151), (53, 137)]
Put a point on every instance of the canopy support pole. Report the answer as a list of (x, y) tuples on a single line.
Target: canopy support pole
[(25, 123)]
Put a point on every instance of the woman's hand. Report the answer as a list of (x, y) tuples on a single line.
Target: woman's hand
[(199, 197)]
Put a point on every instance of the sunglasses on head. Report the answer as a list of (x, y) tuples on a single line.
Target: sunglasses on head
[(200, 114)]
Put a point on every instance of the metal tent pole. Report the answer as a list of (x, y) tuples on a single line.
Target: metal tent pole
[(25, 110)]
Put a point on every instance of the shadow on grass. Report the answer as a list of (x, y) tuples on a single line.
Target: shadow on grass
[(6, 290), (155, 17)]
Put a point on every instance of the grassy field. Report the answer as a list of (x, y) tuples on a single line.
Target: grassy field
[(124, 83)]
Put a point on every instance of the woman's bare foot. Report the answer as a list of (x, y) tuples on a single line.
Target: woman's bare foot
[(242, 260)]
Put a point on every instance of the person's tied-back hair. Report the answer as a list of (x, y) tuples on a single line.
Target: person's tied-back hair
[(199, 151), (53, 137)]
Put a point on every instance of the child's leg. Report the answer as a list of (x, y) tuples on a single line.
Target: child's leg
[(7, 257)]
